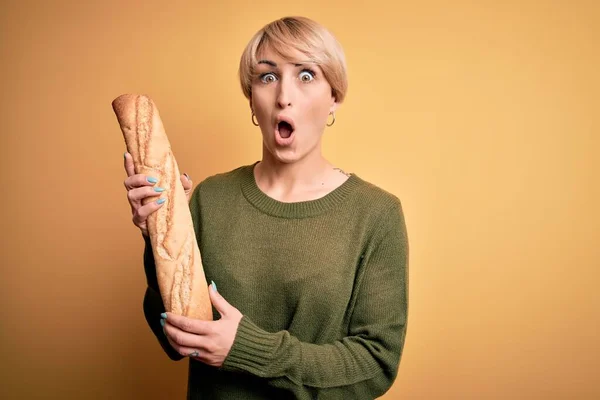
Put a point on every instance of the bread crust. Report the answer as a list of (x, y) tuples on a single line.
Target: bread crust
[(179, 269)]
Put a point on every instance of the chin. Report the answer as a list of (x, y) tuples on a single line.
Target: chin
[(285, 156)]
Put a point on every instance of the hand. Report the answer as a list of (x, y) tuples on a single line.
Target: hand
[(139, 187), (206, 341)]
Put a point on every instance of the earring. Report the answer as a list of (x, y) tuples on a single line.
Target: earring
[(332, 122), (254, 123)]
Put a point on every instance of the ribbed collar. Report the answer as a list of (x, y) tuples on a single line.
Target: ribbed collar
[(302, 209)]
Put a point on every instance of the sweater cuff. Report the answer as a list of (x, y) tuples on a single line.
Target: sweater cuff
[(253, 349)]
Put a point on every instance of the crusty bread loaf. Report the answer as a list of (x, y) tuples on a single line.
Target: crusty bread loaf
[(179, 269)]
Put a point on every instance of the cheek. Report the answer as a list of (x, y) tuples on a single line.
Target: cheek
[(318, 111), (259, 95), (259, 107), (319, 104)]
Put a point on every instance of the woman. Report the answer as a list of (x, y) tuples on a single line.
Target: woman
[(310, 262)]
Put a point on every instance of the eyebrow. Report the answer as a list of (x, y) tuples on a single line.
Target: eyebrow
[(273, 64)]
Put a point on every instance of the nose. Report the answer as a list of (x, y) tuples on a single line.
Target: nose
[(286, 93)]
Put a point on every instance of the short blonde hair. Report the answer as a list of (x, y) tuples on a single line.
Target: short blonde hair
[(306, 36)]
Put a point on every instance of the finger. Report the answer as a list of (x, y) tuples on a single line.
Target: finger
[(186, 182), (189, 325), (139, 180), (222, 306), (129, 168), (195, 354), (182, 338), (141, 215), (188, 351), (185, 351), (140, 193)]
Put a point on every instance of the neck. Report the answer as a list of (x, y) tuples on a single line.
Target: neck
[(287, 178)]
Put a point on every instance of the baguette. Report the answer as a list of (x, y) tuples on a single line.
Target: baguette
[(179, 269)]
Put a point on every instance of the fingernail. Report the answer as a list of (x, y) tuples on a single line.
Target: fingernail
[(124, 154), (159, 189), (162, 322), (160, 201), (187, 176), (152, 180), (163, 315), (214, 285)]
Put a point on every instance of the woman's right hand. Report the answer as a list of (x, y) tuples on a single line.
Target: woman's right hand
[(140, 186)]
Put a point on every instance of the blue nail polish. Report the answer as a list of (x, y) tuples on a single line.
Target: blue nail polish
[(159, 189), (152, 180), (214, 285), (160, 201), (163, 315), (162, 322)]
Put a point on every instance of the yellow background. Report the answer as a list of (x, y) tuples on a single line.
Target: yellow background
[(481, 116)]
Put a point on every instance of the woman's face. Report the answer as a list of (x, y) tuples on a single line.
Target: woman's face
[(292, 101)]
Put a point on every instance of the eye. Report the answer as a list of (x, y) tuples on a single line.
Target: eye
[(268, 77), (307, 75)]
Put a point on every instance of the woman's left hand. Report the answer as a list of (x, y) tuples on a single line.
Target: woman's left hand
[(206, 341)]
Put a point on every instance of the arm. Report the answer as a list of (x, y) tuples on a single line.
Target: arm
[(365, 363)]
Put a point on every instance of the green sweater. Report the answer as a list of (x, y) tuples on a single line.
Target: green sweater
[(322, 286)]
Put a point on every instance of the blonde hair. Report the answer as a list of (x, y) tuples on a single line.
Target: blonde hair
[(306, 36)]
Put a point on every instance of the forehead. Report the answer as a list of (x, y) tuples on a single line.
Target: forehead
[(288, 55)]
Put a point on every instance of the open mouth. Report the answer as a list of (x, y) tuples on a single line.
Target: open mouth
[(285, 129)]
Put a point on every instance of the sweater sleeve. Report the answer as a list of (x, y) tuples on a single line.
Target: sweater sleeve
[(153, 304), (363, 364)]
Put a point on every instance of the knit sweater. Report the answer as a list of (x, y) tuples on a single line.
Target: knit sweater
[(322, 286)]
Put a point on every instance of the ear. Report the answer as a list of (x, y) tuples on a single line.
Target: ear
[(334, 102), (333, 107)]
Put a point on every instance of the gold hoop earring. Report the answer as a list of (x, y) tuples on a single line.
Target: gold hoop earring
[(332, 122), (254, 123)]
